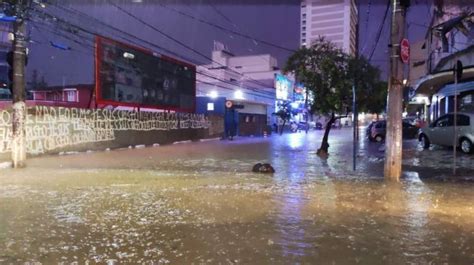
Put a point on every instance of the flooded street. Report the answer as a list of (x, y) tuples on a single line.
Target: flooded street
[(196, 203)]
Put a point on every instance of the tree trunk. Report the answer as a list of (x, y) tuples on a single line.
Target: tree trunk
[(323, 150), (282, 127)]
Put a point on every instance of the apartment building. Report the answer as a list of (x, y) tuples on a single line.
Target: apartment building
[(335, 20)]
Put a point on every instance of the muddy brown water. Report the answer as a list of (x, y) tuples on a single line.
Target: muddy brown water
[(199, 203)]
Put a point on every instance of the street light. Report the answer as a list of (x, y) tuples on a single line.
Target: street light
[(213, 94), (238, 94)]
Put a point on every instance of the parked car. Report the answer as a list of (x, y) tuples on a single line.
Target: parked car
[(318, 126), (378, 131), (441, 132), (368, 130)]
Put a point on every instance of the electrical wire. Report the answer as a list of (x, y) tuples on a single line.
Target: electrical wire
[(176, 40), (261, 93), (131, 38), (226, 18), (367, 25), (379, 33), (249, 93), (226, 29), (79, 13)]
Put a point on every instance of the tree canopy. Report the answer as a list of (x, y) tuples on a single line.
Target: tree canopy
[(329, 74)]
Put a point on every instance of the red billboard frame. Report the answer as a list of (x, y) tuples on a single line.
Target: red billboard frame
[(99, 40)]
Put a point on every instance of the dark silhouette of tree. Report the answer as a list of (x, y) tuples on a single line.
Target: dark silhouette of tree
[(284, 113), (330, 74)]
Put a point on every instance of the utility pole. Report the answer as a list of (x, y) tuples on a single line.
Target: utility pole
[(393, 139), (19, 105)]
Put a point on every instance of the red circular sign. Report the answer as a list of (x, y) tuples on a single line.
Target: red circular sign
[(228, 104), (405, 51)]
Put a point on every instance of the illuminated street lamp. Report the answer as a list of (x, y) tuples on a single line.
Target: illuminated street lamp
[(213, 94), (238, 94)]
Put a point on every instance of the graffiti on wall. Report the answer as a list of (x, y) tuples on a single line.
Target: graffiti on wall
[(49, 128)]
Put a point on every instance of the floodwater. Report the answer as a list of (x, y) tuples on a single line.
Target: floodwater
[(198, 203)]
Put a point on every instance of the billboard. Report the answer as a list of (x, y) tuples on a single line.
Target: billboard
[(283, 87), (132, 76)]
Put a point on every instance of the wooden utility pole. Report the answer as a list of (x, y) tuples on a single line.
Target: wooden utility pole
[(393, 139), (19, 105)]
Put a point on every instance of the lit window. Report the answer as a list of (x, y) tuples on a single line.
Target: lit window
[(210, 106), (70, 96)]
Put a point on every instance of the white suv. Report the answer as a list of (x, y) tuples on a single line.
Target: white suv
[(441, 132)]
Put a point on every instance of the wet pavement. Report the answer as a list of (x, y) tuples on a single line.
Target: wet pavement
[(198, 203)]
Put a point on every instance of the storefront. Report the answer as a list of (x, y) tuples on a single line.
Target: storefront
[(251, 118)]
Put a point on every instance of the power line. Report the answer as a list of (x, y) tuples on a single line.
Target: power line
[(169, 37), (176, 40), (367, 24), (236, 27), (37, 25), (222, 15), (379, 33), (216, 85), (262, 94), (226, 29), (133, 37), (228, 82)]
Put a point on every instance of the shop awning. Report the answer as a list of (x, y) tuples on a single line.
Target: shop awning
[(431, 84)]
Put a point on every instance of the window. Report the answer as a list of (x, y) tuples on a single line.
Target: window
[(380, 125), (3, 73), (210, 106), (463, 120), (3, 56), (70, 96), (304, 21), (407, 125), (304, 15), (442, 122), (303, 28), (303, 34)]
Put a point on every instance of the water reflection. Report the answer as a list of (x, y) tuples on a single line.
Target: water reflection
[(199, 203), (296, 140)]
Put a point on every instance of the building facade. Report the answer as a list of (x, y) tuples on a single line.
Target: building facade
[(335, 20), (5, 47), (449, 39), (246, 81)]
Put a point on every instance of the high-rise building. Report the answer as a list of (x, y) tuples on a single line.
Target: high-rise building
[(5, 46), (335, 20)]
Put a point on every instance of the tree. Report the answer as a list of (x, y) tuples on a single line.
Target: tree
[(284, 113), (329, 74)]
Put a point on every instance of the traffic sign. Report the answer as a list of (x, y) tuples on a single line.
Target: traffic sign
[(405, 51), (228, 104)]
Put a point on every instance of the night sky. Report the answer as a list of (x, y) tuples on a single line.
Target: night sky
[(276, 23)]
